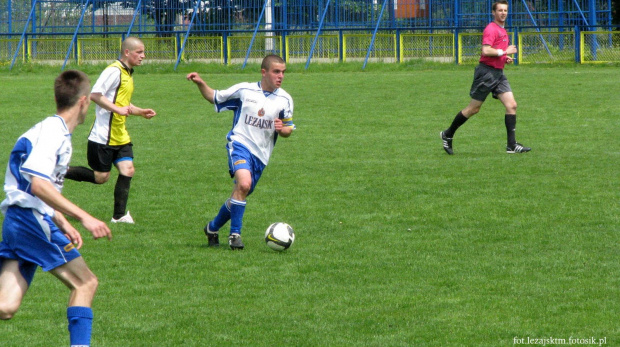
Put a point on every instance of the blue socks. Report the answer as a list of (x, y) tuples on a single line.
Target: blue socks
[(80, 325), (232, 210), (222, 217), (237, 209)]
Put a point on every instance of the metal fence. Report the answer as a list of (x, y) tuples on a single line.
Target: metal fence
[(238, 31), (216, 16)]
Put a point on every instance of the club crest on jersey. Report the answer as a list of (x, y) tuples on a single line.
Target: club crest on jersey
[(261, 112)]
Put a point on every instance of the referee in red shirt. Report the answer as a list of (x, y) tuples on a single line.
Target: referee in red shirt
[(489, 78)]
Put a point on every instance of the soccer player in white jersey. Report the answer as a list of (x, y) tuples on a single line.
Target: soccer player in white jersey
[(35, 232), (262, 112)]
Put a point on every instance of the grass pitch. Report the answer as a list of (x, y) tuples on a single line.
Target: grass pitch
[(397, 243)]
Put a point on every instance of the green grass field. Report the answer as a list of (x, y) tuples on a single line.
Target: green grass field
[(398, 244)]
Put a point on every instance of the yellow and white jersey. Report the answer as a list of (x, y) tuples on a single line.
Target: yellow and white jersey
[(116, 84)]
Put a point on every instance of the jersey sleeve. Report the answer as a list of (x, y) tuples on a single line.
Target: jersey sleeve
[(228, 99), (488, 36), (286, 115), (109, 79), (42, 159)]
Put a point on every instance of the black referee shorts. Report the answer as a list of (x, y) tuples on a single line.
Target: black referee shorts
[(488, 80)]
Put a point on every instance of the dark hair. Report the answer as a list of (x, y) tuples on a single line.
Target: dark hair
[(499, 2), (69, 86), (270, 59)]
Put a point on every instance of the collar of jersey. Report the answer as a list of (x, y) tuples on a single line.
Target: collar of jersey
[(126, 67), (63, 121), (266, 93)]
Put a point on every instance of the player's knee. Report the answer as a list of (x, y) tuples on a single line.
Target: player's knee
[(244, 187), (7, 311), (102, 177), (471, 111), (88, 285), (92, 284), (513, 107), (129, 172)]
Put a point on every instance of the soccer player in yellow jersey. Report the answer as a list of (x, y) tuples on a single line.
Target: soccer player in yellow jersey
[(109, 142)]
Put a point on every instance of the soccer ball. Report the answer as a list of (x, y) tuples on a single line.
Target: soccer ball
[(279, 236)]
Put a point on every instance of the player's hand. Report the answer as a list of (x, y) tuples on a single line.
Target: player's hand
[(277, 123), (194, 77), (96, 227), (509, 59), (73, 235), (148, 113), (124, 111), (512, 49)]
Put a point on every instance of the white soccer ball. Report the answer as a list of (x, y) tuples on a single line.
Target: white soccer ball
[(279, 236)]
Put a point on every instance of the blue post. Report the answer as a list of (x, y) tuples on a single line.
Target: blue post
[(374, 34), (34, 17), (135, 13), (225, 46), (537, 28), (316, 37), (260, 18), (516, 43), (189, 28), (561, 22), (456, 46), (21, 40), (577, 44), (581, 12), (592, 17), (10, 10), (456, 13), (74, 39)]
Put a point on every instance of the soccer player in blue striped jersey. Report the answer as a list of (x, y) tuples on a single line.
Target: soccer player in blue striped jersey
[(263, 111), (35, 231)]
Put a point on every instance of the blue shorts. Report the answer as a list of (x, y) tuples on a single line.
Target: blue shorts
[(239, 157), (34, 240)]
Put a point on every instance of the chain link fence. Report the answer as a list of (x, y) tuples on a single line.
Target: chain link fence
[(599, 46)]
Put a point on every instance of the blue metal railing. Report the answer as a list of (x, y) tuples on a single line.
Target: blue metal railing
[(168, 16)]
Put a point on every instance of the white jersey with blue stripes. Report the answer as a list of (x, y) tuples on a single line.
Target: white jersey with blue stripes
[(43, 151), (255, 111)]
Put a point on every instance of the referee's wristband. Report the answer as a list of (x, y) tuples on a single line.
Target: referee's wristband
[(500, 52)]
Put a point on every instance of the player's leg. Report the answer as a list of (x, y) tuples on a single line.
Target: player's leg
[(13, 287), (126, 170), (212, 228), (471, 109), (510, 119), (100, 159), (243, 187), (83, 284), (447, 135), (15, 274), (480, 89)]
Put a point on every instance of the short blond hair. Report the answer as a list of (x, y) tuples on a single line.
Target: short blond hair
[(131, 43)]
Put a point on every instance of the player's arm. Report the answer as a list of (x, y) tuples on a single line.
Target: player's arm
[(489, 51), (143, 112), (207, 92), (45, 190), (105, 103), (282, 129), (63, 224)]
